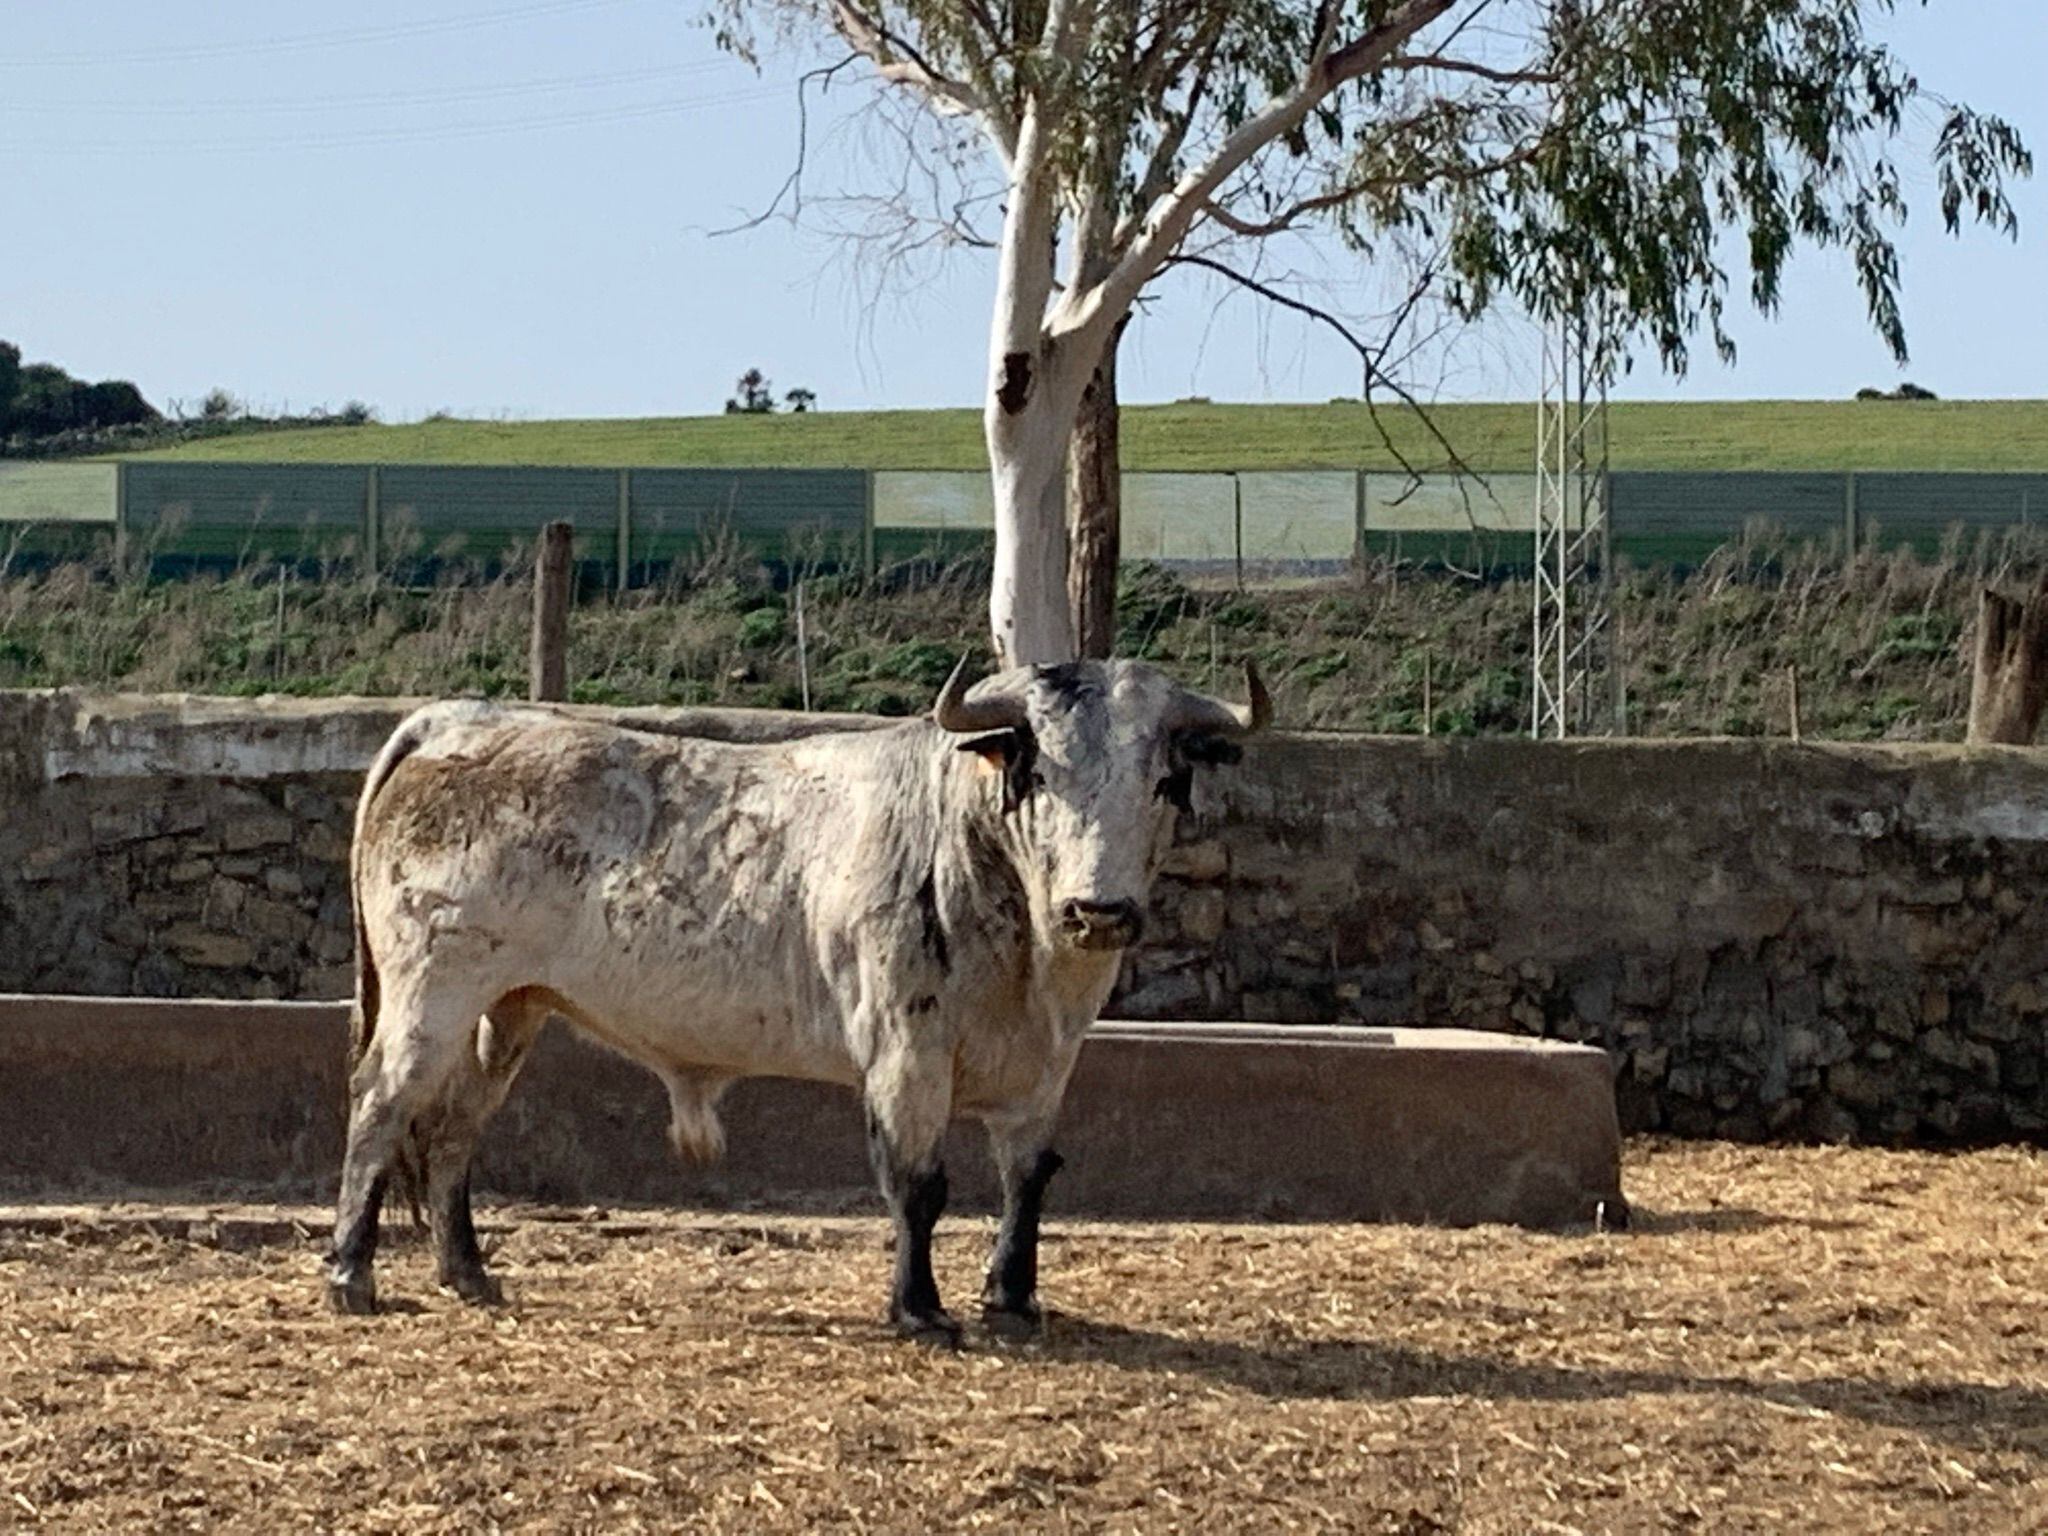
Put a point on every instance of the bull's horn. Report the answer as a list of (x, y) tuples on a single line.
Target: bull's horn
[(1199, 712), (991, 712)]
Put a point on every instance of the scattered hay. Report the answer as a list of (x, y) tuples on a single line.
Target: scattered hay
[(1792, 1340)]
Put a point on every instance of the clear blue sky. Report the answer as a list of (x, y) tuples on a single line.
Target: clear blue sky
[(502, 207)]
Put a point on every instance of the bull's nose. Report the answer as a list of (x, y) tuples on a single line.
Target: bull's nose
[(1101, 924)]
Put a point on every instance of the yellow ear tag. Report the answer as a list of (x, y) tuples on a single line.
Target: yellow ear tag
[(994, 751)]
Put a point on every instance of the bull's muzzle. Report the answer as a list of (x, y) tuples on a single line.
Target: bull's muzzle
[(1101, 924)]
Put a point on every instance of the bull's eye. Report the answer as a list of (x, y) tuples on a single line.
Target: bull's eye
[(1177, 789), (1210, 750)]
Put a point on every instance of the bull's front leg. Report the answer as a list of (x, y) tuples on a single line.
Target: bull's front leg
[(1026, 1163), (909, 1099)]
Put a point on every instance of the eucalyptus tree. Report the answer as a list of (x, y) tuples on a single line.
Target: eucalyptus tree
[(1562, 155)]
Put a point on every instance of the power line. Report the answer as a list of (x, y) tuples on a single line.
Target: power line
[(351, 37), (129, 107), (380, 137)]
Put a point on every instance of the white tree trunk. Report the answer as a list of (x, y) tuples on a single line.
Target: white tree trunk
[(1034, 393), (1028, 611)]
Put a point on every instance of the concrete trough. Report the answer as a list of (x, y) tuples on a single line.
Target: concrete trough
[(124, 1096)]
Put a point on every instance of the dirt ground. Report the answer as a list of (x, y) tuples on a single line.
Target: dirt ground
[(1786, 1340)]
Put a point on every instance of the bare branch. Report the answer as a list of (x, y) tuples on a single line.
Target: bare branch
[(793, 187), (897, 62), (1369, 358)]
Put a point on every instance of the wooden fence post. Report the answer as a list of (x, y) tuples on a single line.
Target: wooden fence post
[(548, 665), (2009, 685)]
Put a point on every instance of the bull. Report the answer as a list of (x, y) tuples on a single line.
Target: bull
[(930, 913)]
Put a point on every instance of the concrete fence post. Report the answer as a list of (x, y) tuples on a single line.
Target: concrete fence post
[(1358, 520), (867, 521), (121, 516), (548, 666), (1237, 523), (373, 525), (625, 529)]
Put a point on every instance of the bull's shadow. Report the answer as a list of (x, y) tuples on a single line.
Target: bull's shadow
[(1971, 1415)]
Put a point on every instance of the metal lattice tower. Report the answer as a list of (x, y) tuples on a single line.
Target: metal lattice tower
[(1576, 685)]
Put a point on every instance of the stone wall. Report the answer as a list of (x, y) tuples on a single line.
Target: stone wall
[(1773, 940)]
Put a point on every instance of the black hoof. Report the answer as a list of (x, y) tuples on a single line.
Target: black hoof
[(353, 1296), (933, 1328), (1007, 1322), (477, 1287)]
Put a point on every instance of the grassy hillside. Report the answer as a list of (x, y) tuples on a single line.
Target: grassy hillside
[(1756, 434)]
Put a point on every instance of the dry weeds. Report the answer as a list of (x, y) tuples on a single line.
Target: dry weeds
[(1789, 1341), (1880, 640)]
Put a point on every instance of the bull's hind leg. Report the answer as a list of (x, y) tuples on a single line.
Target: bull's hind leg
[(420, 1041), (909, 1099), (1026, 1163), (473, 1093)]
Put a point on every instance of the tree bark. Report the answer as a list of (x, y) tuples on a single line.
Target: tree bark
[(1095, 507), (2009, 685)]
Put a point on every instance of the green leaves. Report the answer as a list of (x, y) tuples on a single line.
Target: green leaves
[(1573, 156), (1669, 129)]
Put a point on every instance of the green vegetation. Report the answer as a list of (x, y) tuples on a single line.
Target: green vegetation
[(1748, 434), (40, 404), (1880, 641)]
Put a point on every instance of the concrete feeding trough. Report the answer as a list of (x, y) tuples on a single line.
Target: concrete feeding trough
[(128, 1096)]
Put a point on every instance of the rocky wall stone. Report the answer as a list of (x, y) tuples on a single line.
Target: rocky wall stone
[(1772, 941)]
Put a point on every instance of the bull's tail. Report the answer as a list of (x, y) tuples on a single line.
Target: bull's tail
[(411, 1165)]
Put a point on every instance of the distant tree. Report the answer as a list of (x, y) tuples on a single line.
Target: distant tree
[(45, 401), (115, 403), (802, 400), (219, 405), (1911, 391), (356, 414), (10, 382), (755, 398)]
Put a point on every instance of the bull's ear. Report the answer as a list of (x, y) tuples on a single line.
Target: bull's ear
[(999, 749), (1209, 751)]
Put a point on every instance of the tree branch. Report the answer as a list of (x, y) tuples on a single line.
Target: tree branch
[(899, 63), (793, 186), (1301, 210), (1167, 223), (1407, 61), (1160, 166), (1369, 359)]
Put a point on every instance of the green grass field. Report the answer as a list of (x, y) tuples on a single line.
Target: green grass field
[(1749, 434)]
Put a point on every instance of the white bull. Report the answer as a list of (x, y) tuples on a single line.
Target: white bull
[(930, 913)]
